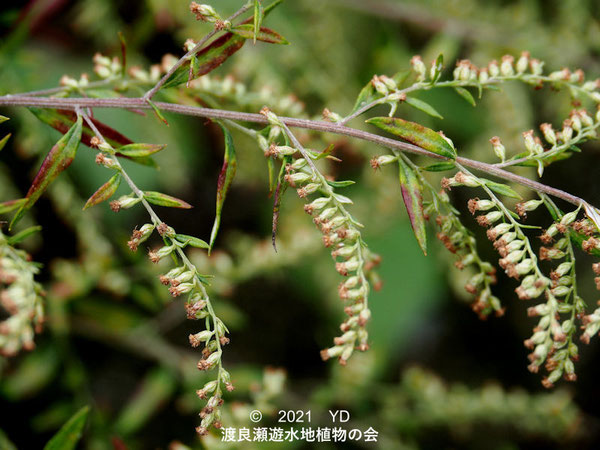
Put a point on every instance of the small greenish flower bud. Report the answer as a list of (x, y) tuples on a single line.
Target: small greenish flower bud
[(311, 188), (568, 218), (346, 354), (528, 281), (567, 130), (331, 352), (383, 160), (549, 133), (501, 229), (319, 203), (189, 45), (522, 62), (205, 13), (124, 202), (595, 96), (198, 338), (563, 268), (297, 178), (537, 66), (529, 141), (299, 164), (567, 326), (364, 316), (379, 86), (284, 150), (514, 257), (575, 122), (344, 251), (484, 75), (586, 120), (561, 291), (177, 289), (102, 71), (544, 322), (506, 66), (591, 85), (330, 116), (389, 82), (514, 245), (525, 266), (327, 213), (493, 216), (463, 179), (419, 67), (213, 359), (262, 142), (498, 148), (494, 69), (348, 337)]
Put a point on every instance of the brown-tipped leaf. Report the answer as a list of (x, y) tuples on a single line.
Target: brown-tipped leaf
[(207, 59), (105, 191), (265, 34), (58, 159), (413, 200), (140, 150), (224, 182), (416, 134), (160, 199)]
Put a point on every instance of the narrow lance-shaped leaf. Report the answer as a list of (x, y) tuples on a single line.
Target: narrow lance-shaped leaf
[(265, 34), (502, 189), (70, 433), (58, 159), (104, 192), (22, 235), (191, 240), (160, 199), (423, 106), (224, 182), (11, 205), (416, 134), (207, 59), (466, 95), (4, 140), (140, 150), (258, 17), (413, 200)]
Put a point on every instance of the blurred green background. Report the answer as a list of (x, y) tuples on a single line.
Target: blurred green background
[(435, 376)]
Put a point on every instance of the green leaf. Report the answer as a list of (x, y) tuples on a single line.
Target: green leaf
[(265, 34), (11, 205), (501, 189), (271, 7), (157, 112), (466, 95), (402, 76), (439, 67), (139, 150), (3, 119), (4, 140), (413, 200), (423, 106), (22, 235), (224, 182), (416, 134), (340, 184), (58, 159), (367, 95), (5, 442), (191, 240), (160, 199), (279, 192), (104, 192), (63, 121), (207, 59), (258, 17), (439, 167), (70, 433)]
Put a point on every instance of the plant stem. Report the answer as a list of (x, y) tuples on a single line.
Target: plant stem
[(316, 125)]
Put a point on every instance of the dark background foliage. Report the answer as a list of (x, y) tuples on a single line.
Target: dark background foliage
[(117, 342)]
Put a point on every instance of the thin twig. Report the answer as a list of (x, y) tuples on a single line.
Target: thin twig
[(316, 125)]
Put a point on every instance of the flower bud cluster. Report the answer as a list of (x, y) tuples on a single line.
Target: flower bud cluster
[(459, 241), (105, 67), (205, 13), (352, 259), (20, 298)]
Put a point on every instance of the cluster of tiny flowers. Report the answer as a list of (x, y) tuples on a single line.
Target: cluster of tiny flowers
[(552, 343), (227, 88), (21, 298), (353, 261), (106, 67), (185, 280), (458, 240)]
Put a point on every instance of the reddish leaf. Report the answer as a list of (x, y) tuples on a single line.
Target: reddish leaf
[(160, 199), (265, 34), (62, 120), (224, 182), (207, 59), (104, 192), (411, 194), (58, 159)]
